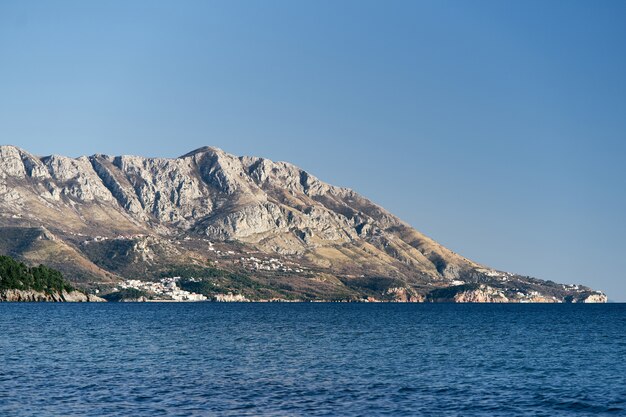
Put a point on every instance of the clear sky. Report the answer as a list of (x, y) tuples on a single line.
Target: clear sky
[(496, 127)]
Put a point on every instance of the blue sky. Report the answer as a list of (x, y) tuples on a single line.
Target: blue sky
[(497, 128)]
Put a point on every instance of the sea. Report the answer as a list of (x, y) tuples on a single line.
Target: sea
[(318, 359)]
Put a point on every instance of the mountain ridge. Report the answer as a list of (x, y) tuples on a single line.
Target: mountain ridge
[(150, 214)]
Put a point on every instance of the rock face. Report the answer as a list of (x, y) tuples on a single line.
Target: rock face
[(107, 218), (594, 298), (472, 293), (36, 296), (404, 295), (230, 298), (483, 294)]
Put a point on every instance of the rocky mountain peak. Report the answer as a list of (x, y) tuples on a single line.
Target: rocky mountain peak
[(202, 150)]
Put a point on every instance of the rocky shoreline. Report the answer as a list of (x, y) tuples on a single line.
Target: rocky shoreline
[(486, 294), (37, 296), (458, 294), (482, 294)]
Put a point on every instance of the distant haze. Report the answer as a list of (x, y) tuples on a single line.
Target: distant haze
[(497, 128)]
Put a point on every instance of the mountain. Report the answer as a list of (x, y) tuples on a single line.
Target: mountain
[(243, 226)]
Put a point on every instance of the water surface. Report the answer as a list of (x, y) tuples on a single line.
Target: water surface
[(311, 359)]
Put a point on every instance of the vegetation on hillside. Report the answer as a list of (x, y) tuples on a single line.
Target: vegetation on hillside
[(209, 281), (450, 292), (16, 275), (126, 294)]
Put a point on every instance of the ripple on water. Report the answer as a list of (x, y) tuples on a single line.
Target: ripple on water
[(311, 359)]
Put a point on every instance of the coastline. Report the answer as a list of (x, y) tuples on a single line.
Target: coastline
[(48, 298), (15, 295)]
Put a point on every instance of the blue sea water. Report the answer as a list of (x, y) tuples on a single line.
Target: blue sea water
[(311, 359)]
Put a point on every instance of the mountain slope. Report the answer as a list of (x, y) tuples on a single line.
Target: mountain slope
[(293, 235)]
